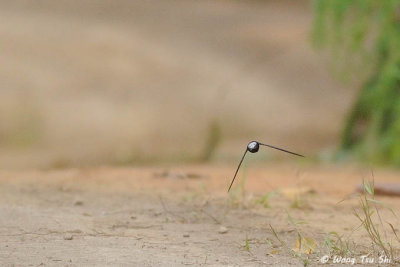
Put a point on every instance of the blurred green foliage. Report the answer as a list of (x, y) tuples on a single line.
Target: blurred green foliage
[(212, 142), (364, 36)]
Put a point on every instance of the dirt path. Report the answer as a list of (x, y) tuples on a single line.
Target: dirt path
[(172, 216)]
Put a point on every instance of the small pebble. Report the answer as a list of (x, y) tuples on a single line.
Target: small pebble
[(186, 235), (68, 236), (222, 230)]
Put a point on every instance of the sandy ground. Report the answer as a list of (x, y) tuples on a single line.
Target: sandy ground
[(172, 216)]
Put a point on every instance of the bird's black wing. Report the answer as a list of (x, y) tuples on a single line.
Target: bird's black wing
[(240, 164), (284, 150)]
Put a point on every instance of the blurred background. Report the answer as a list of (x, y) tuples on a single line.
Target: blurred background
[(159, 81)]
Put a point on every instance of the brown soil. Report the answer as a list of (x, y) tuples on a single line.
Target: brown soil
[(172, 216)]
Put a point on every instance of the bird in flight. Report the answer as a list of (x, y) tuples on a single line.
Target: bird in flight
[(253, 147)]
